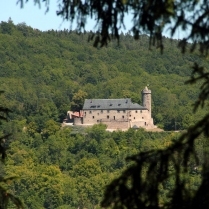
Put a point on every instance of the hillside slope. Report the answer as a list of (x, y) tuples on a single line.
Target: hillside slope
[(41, 71)]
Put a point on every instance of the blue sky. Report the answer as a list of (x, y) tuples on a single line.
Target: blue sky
[(35, 16), (32, 15)]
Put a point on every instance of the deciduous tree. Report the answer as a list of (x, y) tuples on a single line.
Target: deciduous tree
[(6, 196), (78, 100)]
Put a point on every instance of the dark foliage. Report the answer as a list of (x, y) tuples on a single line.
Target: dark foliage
[(132, 190)]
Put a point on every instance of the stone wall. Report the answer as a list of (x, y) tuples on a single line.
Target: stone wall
[(97, 116), (78, 121), (121, 125), (116, 119), (138, 115)]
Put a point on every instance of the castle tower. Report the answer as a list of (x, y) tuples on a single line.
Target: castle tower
[(146, 98)]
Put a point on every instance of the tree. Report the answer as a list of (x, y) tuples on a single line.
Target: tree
[(78, 100), (5, 196), (51, 127), (139, 185)]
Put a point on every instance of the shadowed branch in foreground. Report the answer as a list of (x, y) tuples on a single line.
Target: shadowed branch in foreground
[(141, 185)]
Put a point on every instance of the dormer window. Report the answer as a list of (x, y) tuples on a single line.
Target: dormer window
[(119, 104)]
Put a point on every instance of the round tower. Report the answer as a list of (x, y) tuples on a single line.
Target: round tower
[(146, 98)]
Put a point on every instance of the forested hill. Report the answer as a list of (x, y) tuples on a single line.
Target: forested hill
[(41, 71)]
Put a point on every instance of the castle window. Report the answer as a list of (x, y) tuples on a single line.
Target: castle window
[(85, 113), (136, 111), (90, 111), (145, 123), (142, 117), (93, 117), (123, 116), (107, 116), (129, 115), (114, 117), (134, 117)]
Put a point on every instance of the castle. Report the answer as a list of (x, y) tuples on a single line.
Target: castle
[(117, 114)]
